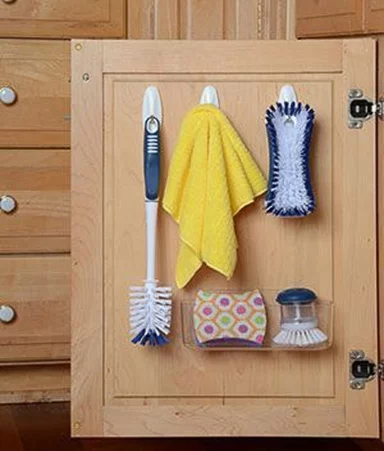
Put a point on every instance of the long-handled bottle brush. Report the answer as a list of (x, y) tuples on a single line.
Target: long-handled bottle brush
[(150, 305)]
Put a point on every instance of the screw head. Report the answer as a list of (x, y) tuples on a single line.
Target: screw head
[(355, 93), (355, 124), (86, 77), (356, 354), (355, 385), (78, 47)]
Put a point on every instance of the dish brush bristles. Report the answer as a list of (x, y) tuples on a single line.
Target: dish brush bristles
[(150, 314), (300, 338), (289, 129)]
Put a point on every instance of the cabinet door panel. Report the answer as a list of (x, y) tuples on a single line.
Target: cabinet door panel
[(39, 182), (186, 392), (326, 18), (295, 243), (38, 72), (58, 19)]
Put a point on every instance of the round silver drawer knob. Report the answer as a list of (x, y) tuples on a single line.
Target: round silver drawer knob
[(8, 95), (7, 314), (7, 204)]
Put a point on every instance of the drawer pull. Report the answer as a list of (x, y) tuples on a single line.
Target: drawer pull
[(9, 1), (7, 204), (8, 95), (7, 314)]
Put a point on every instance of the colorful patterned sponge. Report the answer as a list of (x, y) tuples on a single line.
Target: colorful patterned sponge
[(221, 318)]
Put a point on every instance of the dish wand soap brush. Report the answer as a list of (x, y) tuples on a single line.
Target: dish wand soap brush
[(298, 323), (150, 305), (289, 128)]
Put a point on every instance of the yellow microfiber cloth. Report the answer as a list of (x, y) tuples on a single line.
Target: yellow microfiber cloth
[(212, 176)]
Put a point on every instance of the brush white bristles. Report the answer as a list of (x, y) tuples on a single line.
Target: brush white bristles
[(300, 337), (290, 191), (150, 312)]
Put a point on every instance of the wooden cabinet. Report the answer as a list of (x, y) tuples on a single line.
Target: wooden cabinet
[(188, 392), (62, 19), (210, 19), (34, 142), (37, 288), (38, 180), (38, 72), (343, 17)]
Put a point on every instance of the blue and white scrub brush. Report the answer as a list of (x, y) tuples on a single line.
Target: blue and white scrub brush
[(150, 305), (289, 128)]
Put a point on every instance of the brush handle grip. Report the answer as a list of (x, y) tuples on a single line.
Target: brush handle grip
[(151, 223), (152, 158)]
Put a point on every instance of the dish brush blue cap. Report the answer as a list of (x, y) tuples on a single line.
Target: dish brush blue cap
[(296, 296)]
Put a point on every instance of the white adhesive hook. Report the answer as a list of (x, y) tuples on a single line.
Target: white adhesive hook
[(152, 104), (288, 94), (209, 95)]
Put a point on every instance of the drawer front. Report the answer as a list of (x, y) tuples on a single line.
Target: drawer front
[(34, 93), (39, 182), (36, 291), (62, 19)]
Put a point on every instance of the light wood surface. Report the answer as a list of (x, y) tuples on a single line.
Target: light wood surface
[(240, 421), (210, 19), (344, 17), (87, 240), (380, 219), (374, 16), (327, 18), (333, 251), (38, 289), (62, 19), (258, 235), (358, 184), (179, 58), (39, 181), (39, 73), (26, 384)]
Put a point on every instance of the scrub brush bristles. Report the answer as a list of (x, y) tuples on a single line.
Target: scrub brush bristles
[(150, 313), (289, 129), (301, 336)]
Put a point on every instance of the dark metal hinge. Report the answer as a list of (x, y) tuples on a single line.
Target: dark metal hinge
[(362, 108), (363, 369)]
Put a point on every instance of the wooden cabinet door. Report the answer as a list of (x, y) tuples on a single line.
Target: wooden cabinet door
[(327, 18), (122, 390), (58, 19)]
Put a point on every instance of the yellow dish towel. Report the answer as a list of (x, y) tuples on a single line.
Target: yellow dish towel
[(212, 176)]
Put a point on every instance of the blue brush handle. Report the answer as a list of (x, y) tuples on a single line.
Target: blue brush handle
[(152, 158)]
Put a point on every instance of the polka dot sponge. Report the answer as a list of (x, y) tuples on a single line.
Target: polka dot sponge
[(229, 316)]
